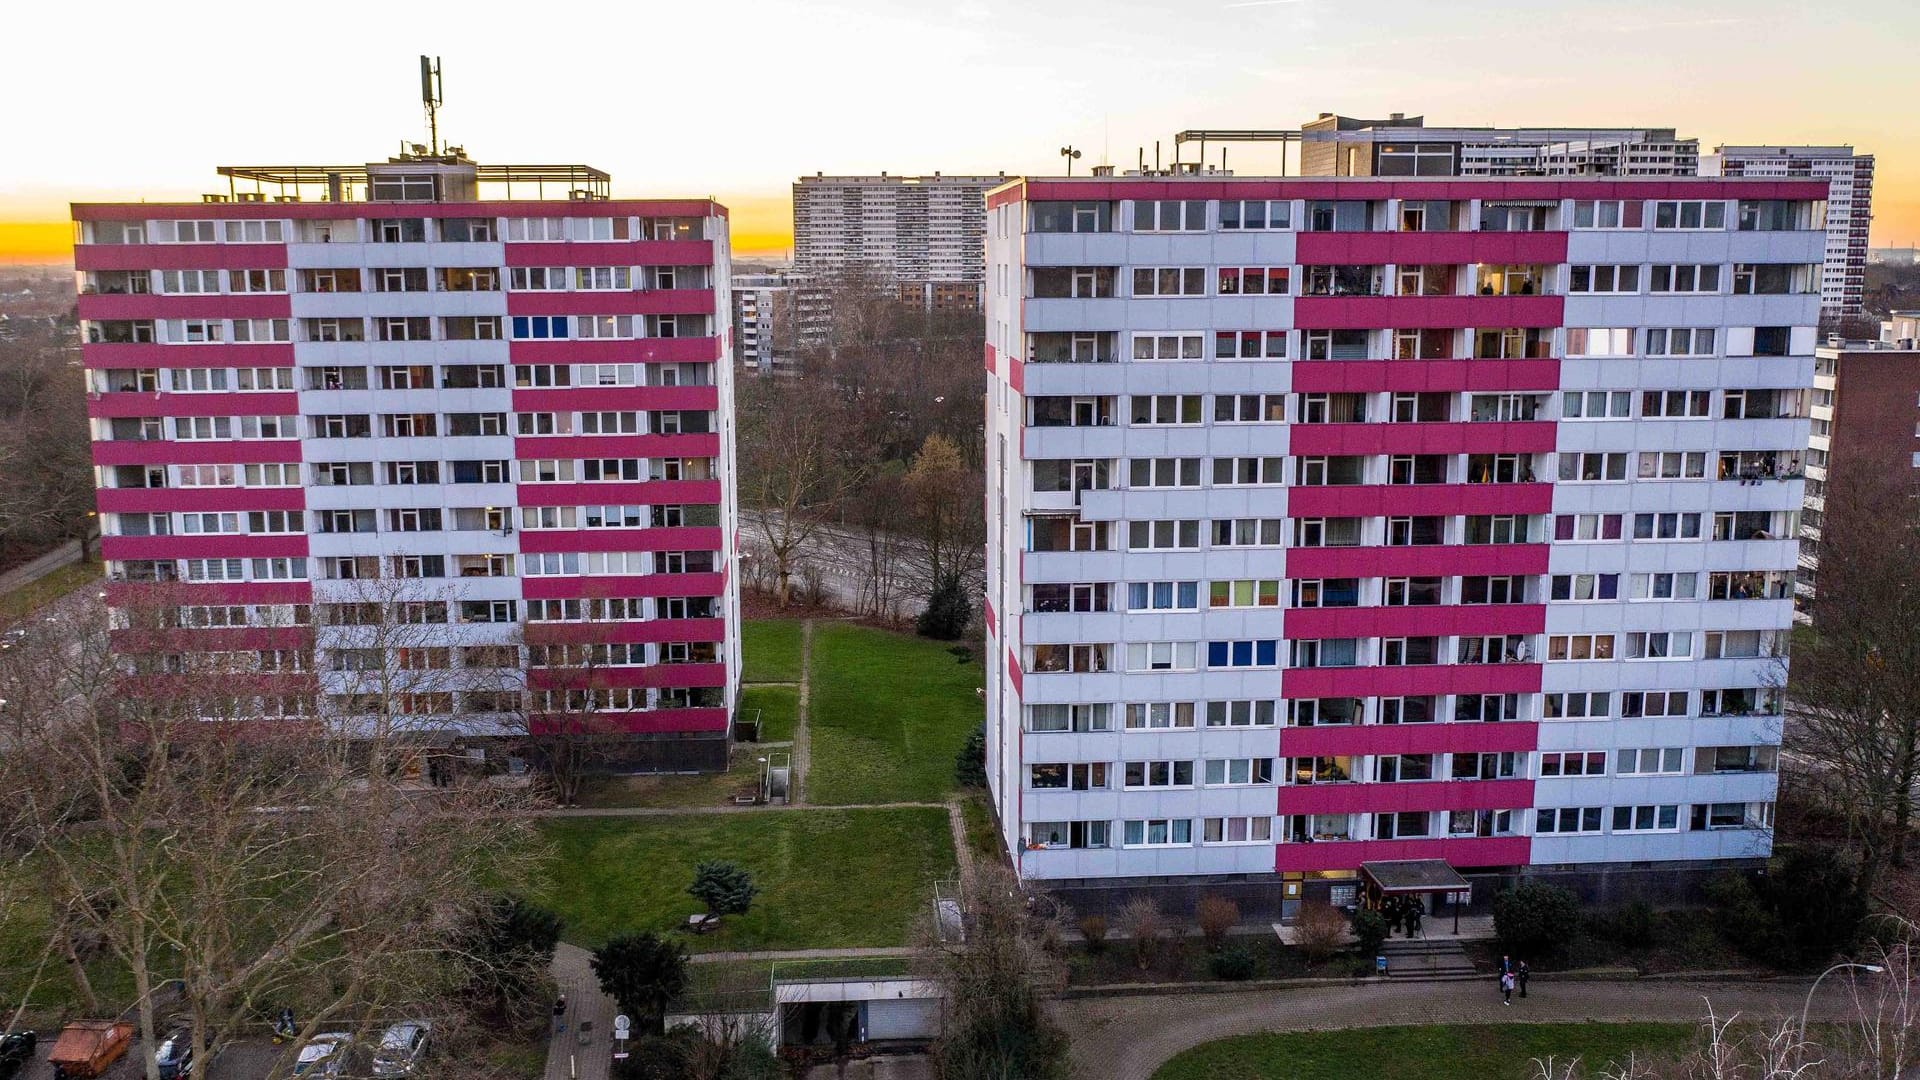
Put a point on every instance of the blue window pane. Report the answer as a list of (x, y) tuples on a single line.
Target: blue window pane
[(1163, 594), (519, 326), (1137, 596), (1242, 654), (1264, 653), (560, 323), (1217, 653), (1189, 594)]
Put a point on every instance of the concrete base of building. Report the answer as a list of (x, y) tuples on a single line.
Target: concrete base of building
[(666, 753), (1270, 897)]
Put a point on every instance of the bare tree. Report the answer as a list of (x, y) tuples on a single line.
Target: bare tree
[(949, 518), (1854, 688), (796, 460), (239, 849), (46, 463), (993, 976)]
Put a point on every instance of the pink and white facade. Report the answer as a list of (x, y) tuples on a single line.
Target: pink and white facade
[(511, 418), (1343, 520)]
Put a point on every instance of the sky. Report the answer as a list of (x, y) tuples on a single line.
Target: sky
[(114, 100)]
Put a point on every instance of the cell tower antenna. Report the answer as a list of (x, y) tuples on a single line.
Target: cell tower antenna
[(430, 96)]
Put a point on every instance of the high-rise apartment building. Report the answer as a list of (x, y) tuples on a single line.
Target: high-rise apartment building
[(1866, 420), (1335, 521), (1332, 145), (409, 394), (1849, 179), (920, 235), (775, 317)]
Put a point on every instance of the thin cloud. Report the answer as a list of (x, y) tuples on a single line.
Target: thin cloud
[(1263, 3)]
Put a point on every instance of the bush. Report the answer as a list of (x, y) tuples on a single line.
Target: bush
[(1815, 893), (1371, 929), (506, 947), (644, 974), (657, 1057), (726, 888), (970, 765), (1320, 928), (1142, 921), (1093, 928), (1536, 918), (947, 612), (1631, 926), (1234, 963), (1216, 915)]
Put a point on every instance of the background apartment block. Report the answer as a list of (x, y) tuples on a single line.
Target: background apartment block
[(921, 235), (1849, 179), (1866, 419), (775, 317), (1332, 145), (505, 425), (1341, 520)]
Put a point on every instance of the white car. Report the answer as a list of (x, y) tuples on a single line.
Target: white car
[(323, 1055), (401, 1047)]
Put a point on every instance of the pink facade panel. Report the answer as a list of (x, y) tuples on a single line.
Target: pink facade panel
[(224, 546), (216, 592), (1400, 500), (611, 253), (155, 306), (168, 452), (1411, 680), (179, 256), (149, 500), (134, 403), (1440, 560), (150, 355)]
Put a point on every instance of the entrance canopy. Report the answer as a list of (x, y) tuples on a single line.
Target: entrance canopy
[(1402, 876)]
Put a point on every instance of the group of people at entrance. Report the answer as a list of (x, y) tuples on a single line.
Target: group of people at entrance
[(1512, 975)]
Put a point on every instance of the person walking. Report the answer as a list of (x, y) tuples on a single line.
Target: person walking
[(560, 1015), (1520, 977), (1506, 988)]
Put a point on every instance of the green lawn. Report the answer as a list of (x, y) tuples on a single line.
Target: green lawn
[(29, 597), (888, 714), (770, 650), (779, 707), (827, 878), (1442, 1052)]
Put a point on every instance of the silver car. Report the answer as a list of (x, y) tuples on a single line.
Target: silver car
[(401, 1048)]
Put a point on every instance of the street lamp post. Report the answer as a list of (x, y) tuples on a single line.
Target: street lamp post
[(1871, 969)]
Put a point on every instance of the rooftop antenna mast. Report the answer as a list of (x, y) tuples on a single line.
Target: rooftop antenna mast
[(430, 96)]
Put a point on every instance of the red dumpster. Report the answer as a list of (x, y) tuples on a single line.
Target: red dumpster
[(86, 1047)]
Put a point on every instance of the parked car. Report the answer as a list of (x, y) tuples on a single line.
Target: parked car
[(401, 1047), (174, 1055), (324, 1055), (86, 1048), (16, 1051)]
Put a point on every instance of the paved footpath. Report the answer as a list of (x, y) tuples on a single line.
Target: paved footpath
[(1127, 1038)]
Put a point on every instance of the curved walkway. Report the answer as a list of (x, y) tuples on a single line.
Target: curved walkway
[(1127, 1038)]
